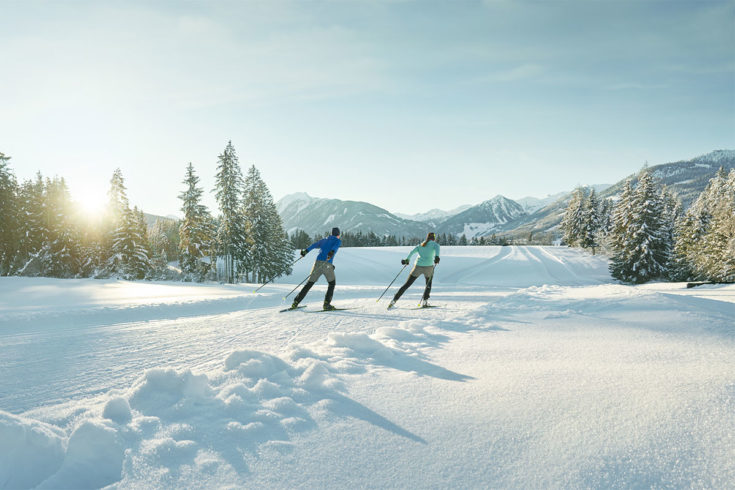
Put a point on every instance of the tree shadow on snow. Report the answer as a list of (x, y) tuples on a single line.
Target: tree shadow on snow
[(346, 407)]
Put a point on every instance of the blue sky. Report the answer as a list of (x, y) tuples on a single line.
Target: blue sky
[(407, 105)]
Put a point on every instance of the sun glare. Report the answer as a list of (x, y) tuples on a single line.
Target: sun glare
[(91, 204)]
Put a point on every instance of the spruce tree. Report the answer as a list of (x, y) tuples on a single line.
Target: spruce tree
[(9, 214), (196, 234), (715, 259), (139, 263), (228, 189), (590, 221), (60, 255), (573, 223), (269, 252), (125, 245), (702, 239), (300, 239), (642, 250), (33, 226)]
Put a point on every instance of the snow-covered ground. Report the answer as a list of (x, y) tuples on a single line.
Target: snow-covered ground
[(537, 371)]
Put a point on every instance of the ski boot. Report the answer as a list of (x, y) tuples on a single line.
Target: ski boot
[(425, 303), (391, 304), (294, 305), (328, 307)]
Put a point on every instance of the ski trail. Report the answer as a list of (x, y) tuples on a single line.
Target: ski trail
[(465, 274)]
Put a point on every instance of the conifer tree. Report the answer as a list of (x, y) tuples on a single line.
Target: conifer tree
[(196, 232), (126, 245), (139, 262), (642, 250), (714, 258), (60, 255), (230, 234), (701, 249), (9, 214), (300, 239), (159, 245), (590, 221), (573, 223), (33, 227)]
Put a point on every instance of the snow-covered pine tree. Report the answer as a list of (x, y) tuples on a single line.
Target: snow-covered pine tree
[(60, 253), (269, 250), (114, 228), (231, 238), (196, 234), (643, 249), (671, 216), (128, 256), (617, 237), (9, 209), (695, 244), (729, 227), (679, 268), (591, 221), (159, 242), (33, 227), (573, 223), (714, 259), (139, 262), (606, 213)]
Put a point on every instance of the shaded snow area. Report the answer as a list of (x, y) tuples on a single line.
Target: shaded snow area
[(536, 371)]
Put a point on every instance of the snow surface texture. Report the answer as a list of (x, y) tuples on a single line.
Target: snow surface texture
[(537, 372)]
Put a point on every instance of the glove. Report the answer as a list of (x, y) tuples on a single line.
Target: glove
[(404, 261), (304, 252), (330, 254), (436, 260)]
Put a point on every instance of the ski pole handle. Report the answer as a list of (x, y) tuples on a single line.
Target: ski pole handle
[(391, 283)]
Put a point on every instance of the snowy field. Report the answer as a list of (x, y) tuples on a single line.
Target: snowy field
[(537, 371)]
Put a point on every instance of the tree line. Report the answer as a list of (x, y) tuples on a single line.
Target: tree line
[(649, 237), (42, 233), (301, 239)]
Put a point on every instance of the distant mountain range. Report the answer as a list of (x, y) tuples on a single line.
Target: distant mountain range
[(500, 215), (317, 216), (434, 216)]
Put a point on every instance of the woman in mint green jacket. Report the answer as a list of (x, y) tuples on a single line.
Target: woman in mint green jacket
[(428, 251)]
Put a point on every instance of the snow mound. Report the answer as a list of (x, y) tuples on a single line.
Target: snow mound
[(30, 451)]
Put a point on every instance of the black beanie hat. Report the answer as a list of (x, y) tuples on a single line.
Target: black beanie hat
[(335, 231)]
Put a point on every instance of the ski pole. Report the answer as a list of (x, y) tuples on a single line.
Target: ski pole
[(391, 283), (294, 289), (271, 280)]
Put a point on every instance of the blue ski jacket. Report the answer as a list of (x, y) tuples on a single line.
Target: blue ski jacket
[(326, 245)]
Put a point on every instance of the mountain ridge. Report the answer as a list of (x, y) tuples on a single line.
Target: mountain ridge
[(501, 215)]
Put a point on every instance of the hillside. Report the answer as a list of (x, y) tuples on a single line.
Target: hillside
[(317, 216), (686, 178), (484, 219)]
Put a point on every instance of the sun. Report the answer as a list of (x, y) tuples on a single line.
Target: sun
[(91, 204)]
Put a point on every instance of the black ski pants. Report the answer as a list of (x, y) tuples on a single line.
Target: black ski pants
[(409, 281), (307, 287)]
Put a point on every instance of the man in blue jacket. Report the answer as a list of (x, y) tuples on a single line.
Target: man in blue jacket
[(327, 249)]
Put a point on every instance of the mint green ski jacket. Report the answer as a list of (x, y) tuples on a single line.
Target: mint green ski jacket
[(426, 254)]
